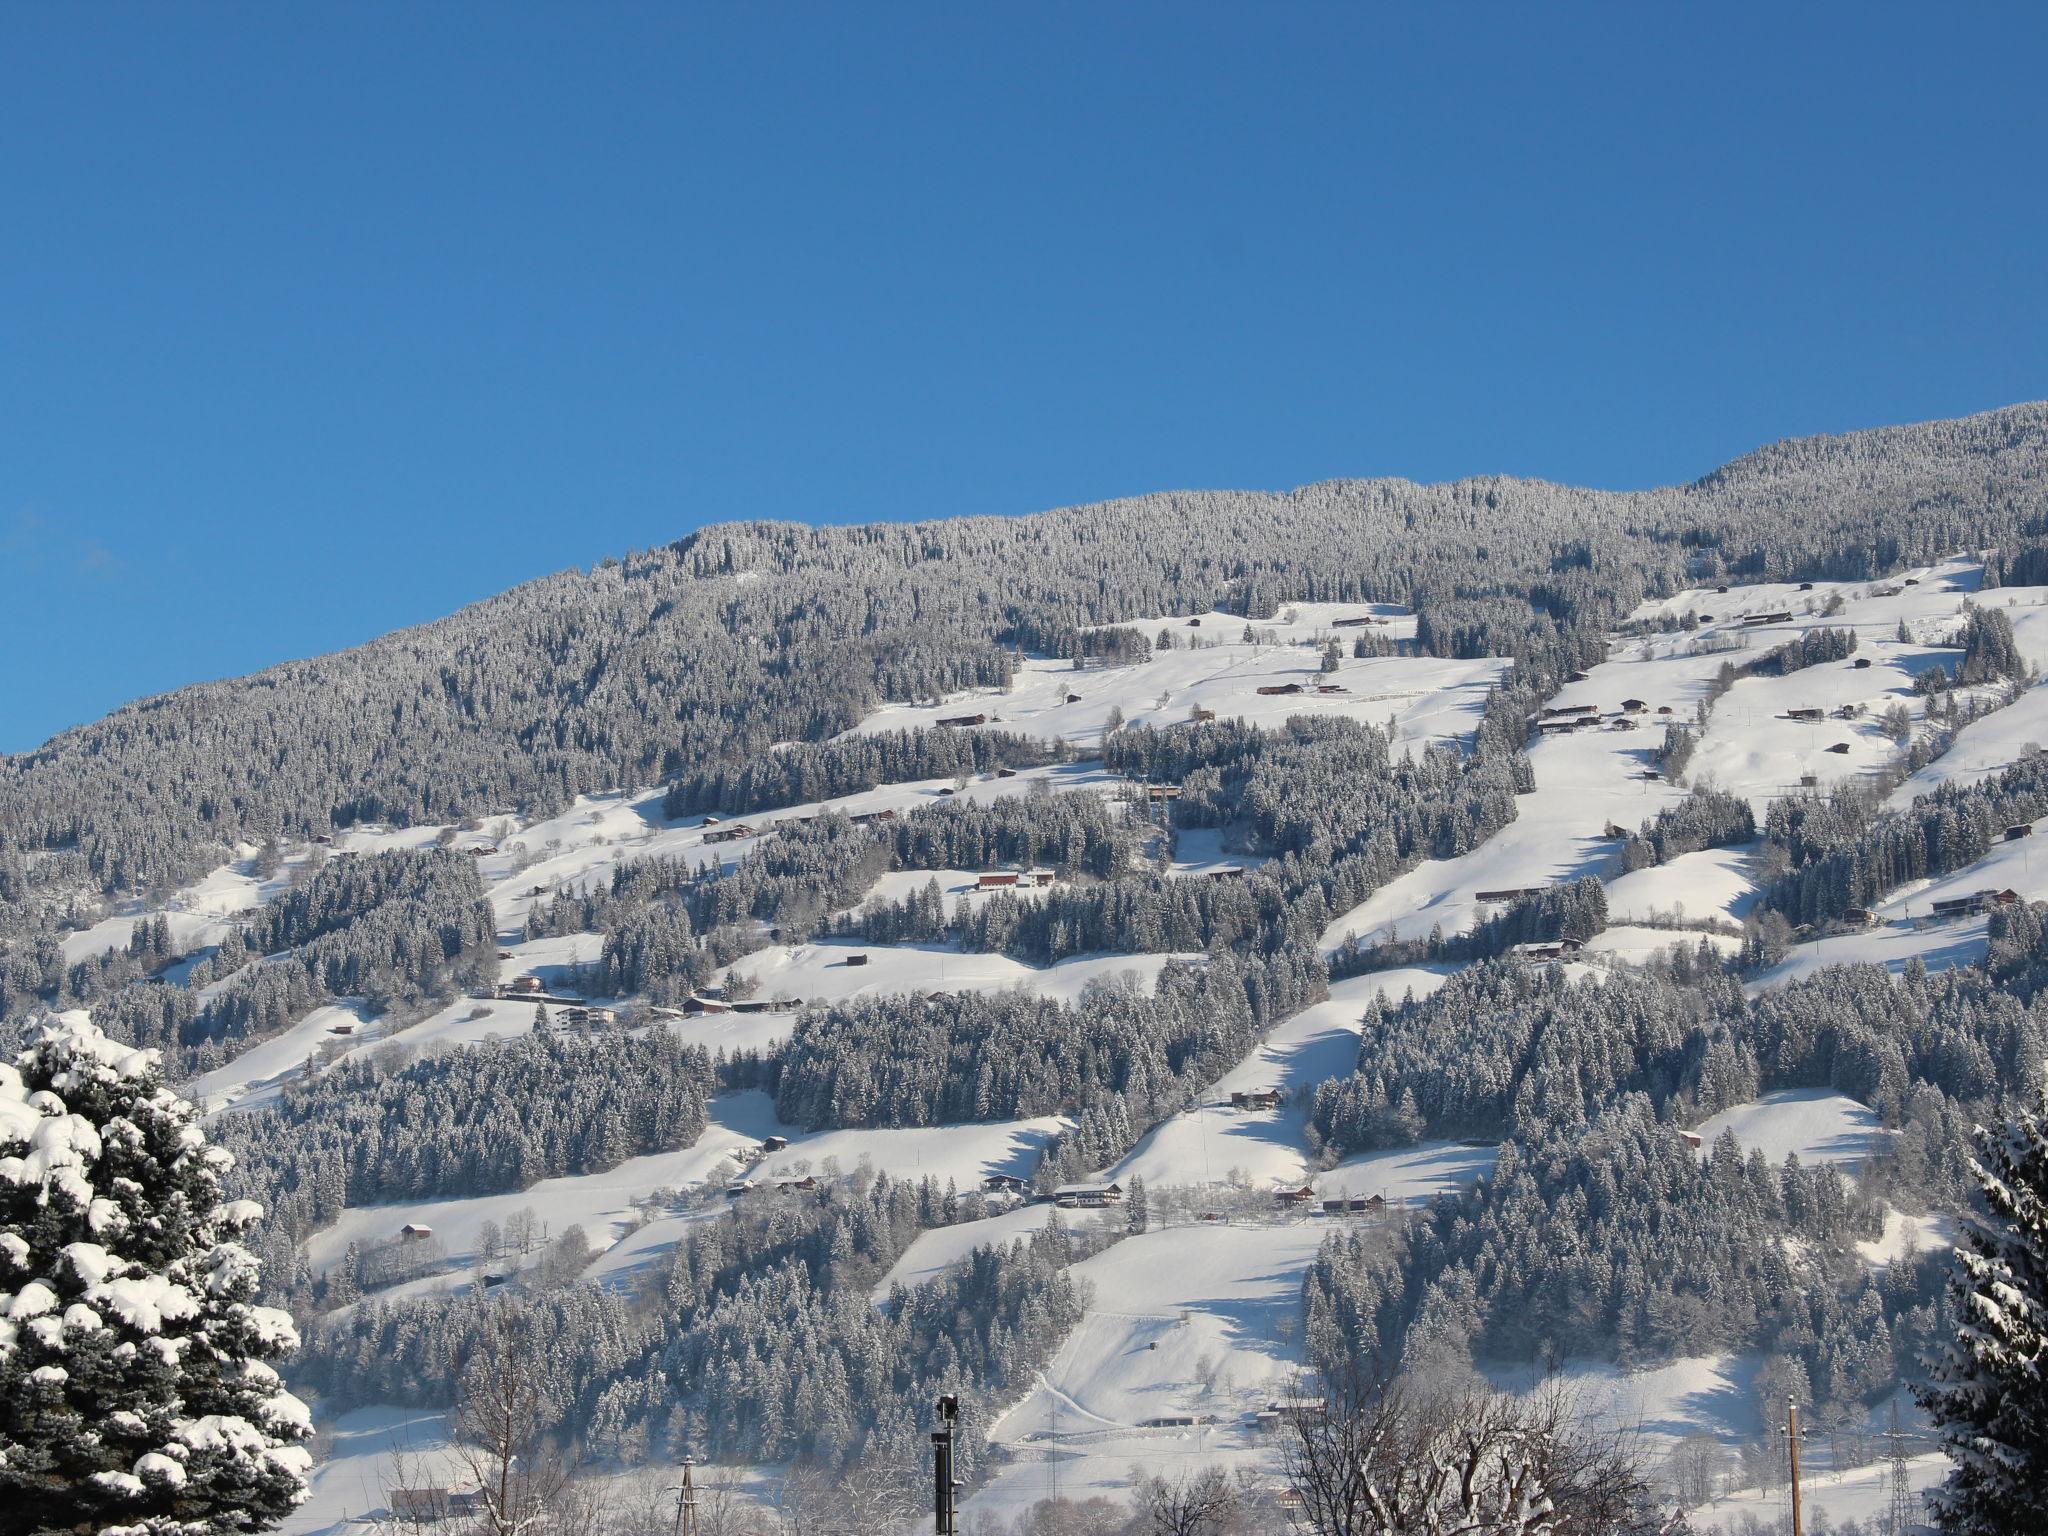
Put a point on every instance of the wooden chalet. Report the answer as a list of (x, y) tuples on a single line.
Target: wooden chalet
[(414, 1232), (772, 1144), (1840, 749), (524, 986), (1357, 622), (1227, 872), (1271, 689), (995, 879), (857, 958), (2017, 831), (1634, 706), (1006, 1184), (951, 721), (733, 833), (1302, 1195), (1862, 663), (1165, 791), (1256, 1098), (1752, 620), (1806, 712)]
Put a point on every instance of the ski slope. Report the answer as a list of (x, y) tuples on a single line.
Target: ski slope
[(1196, 1320)]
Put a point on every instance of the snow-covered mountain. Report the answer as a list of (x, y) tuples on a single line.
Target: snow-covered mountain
[(1493, 926)]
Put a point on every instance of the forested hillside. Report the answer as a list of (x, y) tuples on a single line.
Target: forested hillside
[(644, 669), (1141, 968)]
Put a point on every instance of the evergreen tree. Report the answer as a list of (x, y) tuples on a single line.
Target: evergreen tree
[(134, 1388), (1989, 1394)]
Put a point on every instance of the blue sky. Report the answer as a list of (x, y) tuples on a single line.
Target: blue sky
[(318, 321)]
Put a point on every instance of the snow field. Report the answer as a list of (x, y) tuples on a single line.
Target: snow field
[(609, 1206), (1822, 1126), (1210, 1142), (1428, 698), (819, 973)]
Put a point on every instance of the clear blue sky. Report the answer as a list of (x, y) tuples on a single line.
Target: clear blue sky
[(317, 321)]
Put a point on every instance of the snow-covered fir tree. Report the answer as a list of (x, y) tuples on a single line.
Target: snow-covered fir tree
[(1989, 1392), (135, 1390)]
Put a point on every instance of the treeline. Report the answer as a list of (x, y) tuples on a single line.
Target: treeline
[(763, 1345), (1078, 833), (1812, 648), (1512, 1050), (1846, 854), (801, 772), (1575, 910), (1706, 818), (1013, 1055), (1504, 1048), (1617, 1240), (485, 1119)]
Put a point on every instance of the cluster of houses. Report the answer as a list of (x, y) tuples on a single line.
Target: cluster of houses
[(1560, 719), (696, 1003), (1303, 1197), (1272, 690), (1974, 903)]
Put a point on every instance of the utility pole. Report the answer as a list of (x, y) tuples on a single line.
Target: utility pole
[(1792, 1443), (686, 1502), (1902, 1512), (945, 1521)]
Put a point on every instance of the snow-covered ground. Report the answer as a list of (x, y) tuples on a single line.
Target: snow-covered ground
[(1822, 1126), (198, 914), (1907, 1236), (608, 1205), (1428, 698), (1863, 1495), (1713, 884), (1637, 945), (942, 1248), (819, 973), (255, 1076), (1198, 1320), (1893, 946), (371, 1451), (1212, 1141)]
